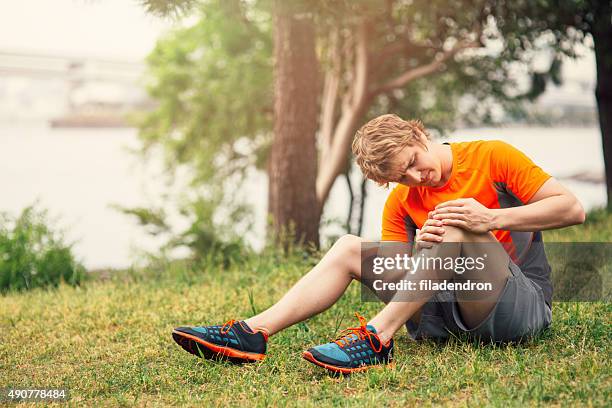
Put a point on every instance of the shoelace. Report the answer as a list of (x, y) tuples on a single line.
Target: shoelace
[(228, 325), (346, 336)]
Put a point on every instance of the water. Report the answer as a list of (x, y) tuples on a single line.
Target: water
[(78, 174)]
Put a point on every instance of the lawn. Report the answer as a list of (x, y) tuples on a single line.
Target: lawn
[(109, 343)]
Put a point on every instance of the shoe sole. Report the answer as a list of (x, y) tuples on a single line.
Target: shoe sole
[(209, 350), (343, 370)]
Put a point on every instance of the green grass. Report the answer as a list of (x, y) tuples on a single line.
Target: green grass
[(109, 343), (597, 228)]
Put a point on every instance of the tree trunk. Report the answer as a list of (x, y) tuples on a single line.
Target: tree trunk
[(364, 195), (354, 108), (293, 160), (602, 33), (349, 217)]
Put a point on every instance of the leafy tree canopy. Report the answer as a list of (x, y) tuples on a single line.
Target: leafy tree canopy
[(212, 84), (420, 58)]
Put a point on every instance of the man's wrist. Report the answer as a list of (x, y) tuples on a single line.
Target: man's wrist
[(496, 219)]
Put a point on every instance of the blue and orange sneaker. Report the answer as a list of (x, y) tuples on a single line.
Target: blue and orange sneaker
[(234, 341), (357, 349)]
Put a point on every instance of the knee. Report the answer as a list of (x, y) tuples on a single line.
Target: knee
[(348, 244), (454, 234), (347, 253)]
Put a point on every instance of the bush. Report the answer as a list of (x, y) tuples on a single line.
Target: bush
[(204, 241), (33, 255)]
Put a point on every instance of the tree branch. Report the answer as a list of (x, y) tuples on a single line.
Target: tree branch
[(330, 95), (424, 70), (400, 47), (361, 64), (349, 217), (354, 104)]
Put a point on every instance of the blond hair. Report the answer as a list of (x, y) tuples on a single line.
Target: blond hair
[(377, 142)]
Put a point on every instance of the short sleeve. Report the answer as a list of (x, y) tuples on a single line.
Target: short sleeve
[(520, 174), (394, 221)]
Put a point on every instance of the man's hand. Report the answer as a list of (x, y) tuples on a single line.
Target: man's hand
[(465, 213), (430, 233)]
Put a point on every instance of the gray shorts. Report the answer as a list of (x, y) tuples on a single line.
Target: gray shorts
[(520, 312)]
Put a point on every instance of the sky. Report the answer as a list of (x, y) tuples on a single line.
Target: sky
[(114, 29)]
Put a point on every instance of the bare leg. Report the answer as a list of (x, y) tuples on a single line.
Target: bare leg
[(316, 291), (398, 311), (319, 289)]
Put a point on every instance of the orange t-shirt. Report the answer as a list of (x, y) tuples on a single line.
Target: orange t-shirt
[(492, 172)]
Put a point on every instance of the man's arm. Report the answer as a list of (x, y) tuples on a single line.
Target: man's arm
[(552, 206)]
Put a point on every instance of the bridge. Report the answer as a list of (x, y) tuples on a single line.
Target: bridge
[(70, 68)]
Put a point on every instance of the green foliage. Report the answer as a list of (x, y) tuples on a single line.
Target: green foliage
[(212, 81), (555, 26), (210, 241), (480, 81), (164, 8), (207, 241), (213, 85), (597, 228), (186, 64), (154, 220), (33, 255)]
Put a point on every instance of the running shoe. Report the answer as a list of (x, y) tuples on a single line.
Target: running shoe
[(357, 349), (234, 341)]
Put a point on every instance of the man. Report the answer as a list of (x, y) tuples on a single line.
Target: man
[(478, 200)]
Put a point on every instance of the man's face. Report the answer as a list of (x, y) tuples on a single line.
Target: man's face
[(416, 166)]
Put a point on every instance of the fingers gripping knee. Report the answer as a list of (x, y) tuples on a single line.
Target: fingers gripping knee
[(456, 234), (453, 234)]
